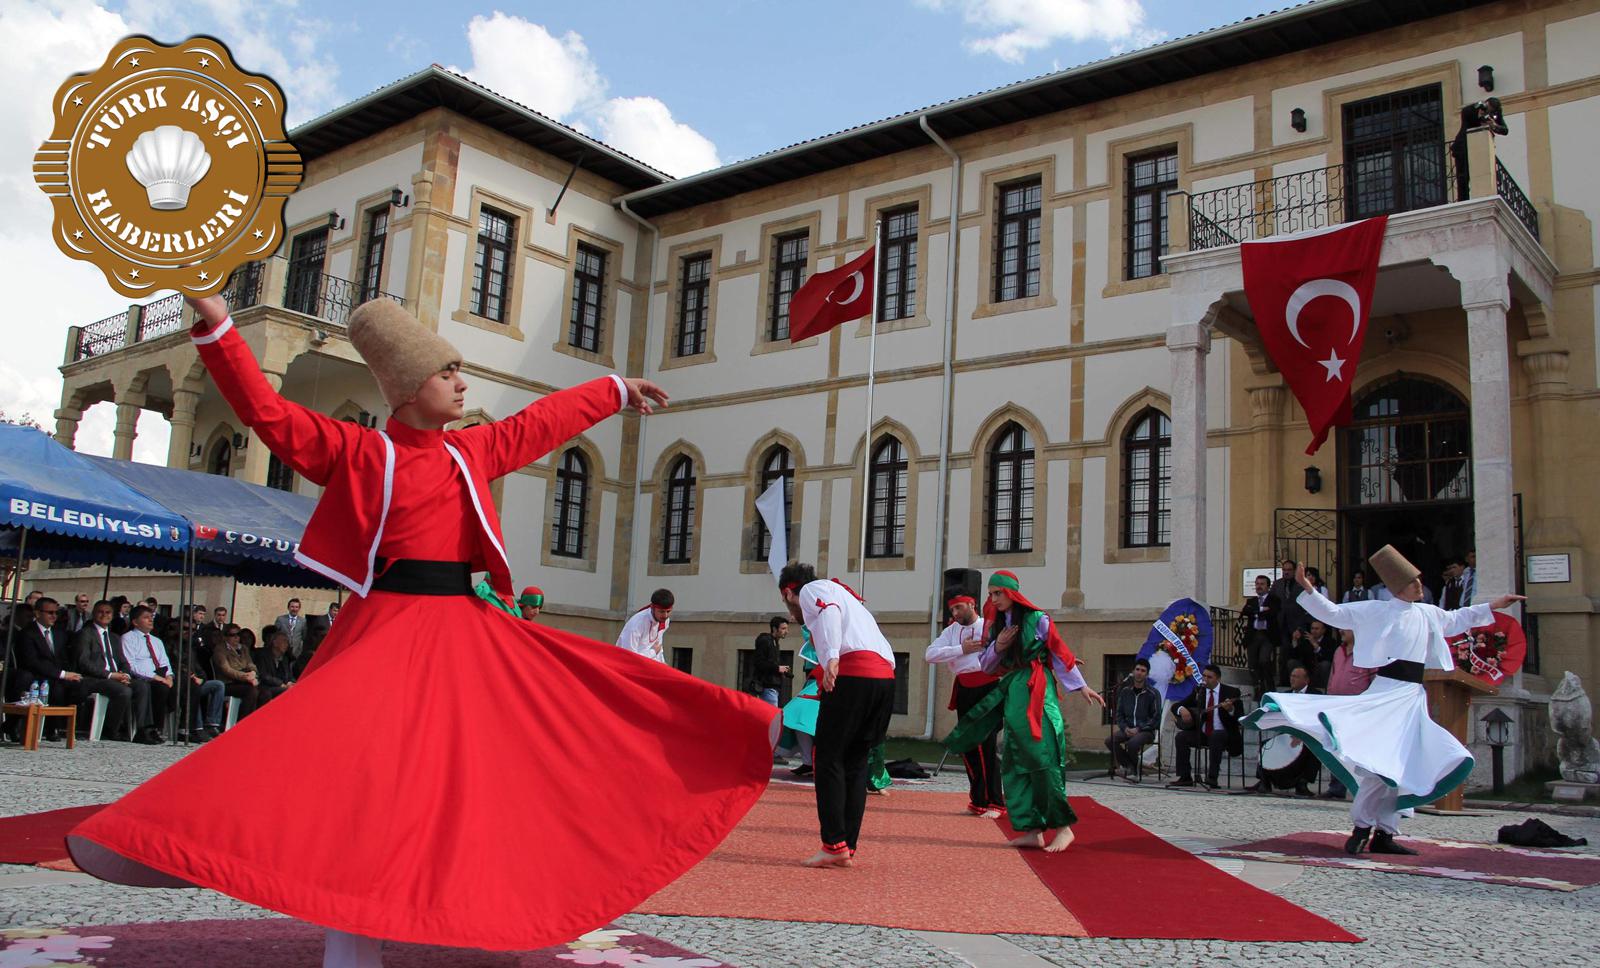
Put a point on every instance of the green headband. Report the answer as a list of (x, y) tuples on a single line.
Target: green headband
[(535, 601), (998, 580)]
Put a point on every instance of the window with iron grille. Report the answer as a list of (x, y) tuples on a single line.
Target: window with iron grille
[(897, 265), (694, 305), (886, 517), (776, 465), (280, 476), (677, 525), (1146, 479), (491, 266), (373, 246), (1395, 152), (1016, 269), (1410, 442), (303, 283), (1010, 493), (572, 505), (788, 272), (588, 284), (1150, 178)]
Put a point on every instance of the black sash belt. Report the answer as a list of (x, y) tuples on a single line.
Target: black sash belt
[(409, 576), (1403, 670)]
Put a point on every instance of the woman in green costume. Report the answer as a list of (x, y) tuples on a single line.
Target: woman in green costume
[(1031, 658)]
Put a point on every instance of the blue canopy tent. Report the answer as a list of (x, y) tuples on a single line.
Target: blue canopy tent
[(56, 496)]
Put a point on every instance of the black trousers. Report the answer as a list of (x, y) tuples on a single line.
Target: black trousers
[(152, 702), (853, 719), (983, 761), (119, 698), (1188, 739), (1263, 658), (249, 696)]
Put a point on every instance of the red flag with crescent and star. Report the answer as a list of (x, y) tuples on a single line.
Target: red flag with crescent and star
[(833, 297), (1311, 293)]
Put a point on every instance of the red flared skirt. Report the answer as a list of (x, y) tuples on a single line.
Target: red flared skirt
[(447, 774)]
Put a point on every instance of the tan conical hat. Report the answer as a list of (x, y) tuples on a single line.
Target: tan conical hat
[(1393, 569), (401, 352)]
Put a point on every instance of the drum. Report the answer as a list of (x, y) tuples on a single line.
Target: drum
[(1281, 763)]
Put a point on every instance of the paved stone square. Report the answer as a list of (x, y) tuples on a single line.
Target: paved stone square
[(1407, 919)]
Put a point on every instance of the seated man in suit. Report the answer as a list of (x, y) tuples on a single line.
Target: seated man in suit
[(233, 665), (97, 656), (1303, 771), (274, 666), (45, 655), (1208, 718)]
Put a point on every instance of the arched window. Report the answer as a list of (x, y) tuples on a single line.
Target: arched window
[(777, 465), (677, 525), (1009, 502), (1410, 443), (886, 511), (221, 462), (572, 505), (1146, 480), (279, 475)]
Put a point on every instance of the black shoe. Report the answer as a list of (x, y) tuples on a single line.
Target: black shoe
[(148, 737), (1257, 787), (1383, 843), (1210, 784), (212, 732), (1331, 795), (1301, 790), (1180, 783), (801, 770), (1358, 840)]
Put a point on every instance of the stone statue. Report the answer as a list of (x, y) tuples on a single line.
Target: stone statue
[(1572, 718)]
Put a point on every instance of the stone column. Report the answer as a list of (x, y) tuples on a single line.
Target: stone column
[(1546, 362), (184, 403), (67, 425), (1266, 409), (1190, 343), (127, 428), (1493, 512)]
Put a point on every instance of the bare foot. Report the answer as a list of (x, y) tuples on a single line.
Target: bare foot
[(990, 814), (824, 859), (878, 793), (1034, 839), (1062, 840)]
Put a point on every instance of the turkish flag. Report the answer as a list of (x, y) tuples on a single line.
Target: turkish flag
[(833, 297), (205, 532), (1311, 293)]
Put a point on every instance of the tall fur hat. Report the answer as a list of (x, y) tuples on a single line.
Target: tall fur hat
[(1393, 569), (401, 352)]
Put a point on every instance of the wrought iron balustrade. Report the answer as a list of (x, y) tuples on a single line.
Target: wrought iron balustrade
[(1228, 647), (1507, 188), (100, 338), (161, 317)]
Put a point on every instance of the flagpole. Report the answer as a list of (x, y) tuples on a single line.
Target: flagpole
[(872, 361)]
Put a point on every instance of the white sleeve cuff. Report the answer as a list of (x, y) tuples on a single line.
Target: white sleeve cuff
[(622, 391), (215, 333)]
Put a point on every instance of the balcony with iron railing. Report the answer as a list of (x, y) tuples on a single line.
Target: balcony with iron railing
[(1416, 177), (273, 282)]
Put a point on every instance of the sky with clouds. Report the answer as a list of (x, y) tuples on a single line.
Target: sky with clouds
[(684, 87)]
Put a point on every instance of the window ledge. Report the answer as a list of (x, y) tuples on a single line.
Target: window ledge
[(483, 322), (1012, 559), (864, 327), (901, 563), (678, 569), (781, 345), (1124, 556), (1125, 287), (1045, 301), (600, 359), (694, 359), (551, 560)]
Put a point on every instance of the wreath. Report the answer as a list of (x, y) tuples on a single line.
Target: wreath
[(1188, 632), (1481, 652)]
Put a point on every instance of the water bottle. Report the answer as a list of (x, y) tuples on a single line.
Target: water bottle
[(34, 698)]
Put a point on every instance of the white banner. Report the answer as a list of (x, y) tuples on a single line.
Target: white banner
[(770, 505)]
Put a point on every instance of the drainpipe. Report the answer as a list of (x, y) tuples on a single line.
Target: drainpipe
[(941, 511), (644, 365)]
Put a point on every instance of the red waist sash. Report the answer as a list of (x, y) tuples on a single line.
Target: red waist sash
[(865, 664)]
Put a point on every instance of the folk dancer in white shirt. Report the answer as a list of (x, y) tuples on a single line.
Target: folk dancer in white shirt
[(645, 631), (960, 646), (857, 701), (1382, 743)]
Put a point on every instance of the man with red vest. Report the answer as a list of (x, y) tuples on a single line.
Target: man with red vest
[(856, 702), (960, 646)]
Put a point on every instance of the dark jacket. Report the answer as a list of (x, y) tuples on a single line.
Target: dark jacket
[(1196, 704), (766, 662), (89, 659), (273, 670), (41, 658), (1270, 611), (1139, 707)]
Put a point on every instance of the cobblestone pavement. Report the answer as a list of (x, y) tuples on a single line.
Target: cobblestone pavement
[(1422, 920)]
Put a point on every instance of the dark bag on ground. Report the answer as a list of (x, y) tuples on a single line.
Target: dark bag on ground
[(906, 770), (1536, 833)]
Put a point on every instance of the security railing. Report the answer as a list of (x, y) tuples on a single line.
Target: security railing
[(1507, 188)]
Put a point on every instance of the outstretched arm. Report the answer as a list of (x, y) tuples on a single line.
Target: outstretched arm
[(541, 426), (311, 443)]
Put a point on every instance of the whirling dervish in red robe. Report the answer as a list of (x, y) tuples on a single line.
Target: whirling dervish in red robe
[(443, 773)]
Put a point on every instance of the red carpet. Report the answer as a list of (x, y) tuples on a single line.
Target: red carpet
[(280, 942), (1130, 866), (1550, 870), (922, 853), (40, 838)]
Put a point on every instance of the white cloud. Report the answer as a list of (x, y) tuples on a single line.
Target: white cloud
[(46, 292), (557, 77), (644, 128), (1012, 29)]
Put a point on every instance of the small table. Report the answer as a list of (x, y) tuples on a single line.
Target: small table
[(34, 726)]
